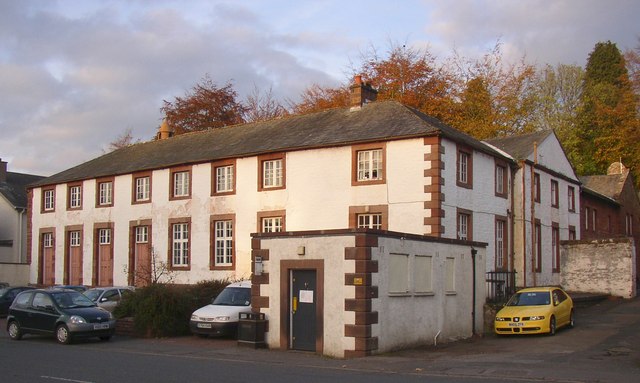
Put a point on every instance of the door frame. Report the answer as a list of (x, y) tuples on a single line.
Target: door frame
[(286, 266)]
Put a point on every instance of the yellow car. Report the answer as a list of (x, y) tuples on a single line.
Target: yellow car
[(535, 310)]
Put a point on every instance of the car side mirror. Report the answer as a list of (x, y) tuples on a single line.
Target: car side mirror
[(50, 308), (103, 300)]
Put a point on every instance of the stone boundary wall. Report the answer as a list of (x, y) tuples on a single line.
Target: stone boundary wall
[(603, 266)]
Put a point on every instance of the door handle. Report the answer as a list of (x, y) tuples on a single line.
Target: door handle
[(294, 305)]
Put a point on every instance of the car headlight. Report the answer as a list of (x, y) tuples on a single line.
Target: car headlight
[(222, 318), (75, 319), (195, 317), (536, 317)]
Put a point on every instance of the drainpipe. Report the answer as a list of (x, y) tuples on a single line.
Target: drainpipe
[(20, 242), (473, 299), (524, 226), (533, 215)]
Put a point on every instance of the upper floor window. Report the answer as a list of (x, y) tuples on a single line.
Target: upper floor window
[(571, 198), (370, 221), (464, 167), (105, 193), (180, 182), (370, 165), (142, 189), (587, 217), (629, 225), (464, 225), (271, 172), (554, 193), (48, 200), (594, 219), (572, 233), (224, 179), (501, 181), (75, 196), (536, 187)]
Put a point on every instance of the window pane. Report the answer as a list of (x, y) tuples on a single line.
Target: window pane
[(369, 165), (223, 240)]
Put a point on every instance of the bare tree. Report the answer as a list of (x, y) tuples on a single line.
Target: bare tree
[(263, 106)]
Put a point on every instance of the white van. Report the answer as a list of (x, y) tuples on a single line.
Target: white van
[(222, 315)]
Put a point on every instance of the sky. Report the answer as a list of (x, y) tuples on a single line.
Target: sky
[(77, 74)]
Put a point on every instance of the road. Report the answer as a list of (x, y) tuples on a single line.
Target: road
[(604, 347)]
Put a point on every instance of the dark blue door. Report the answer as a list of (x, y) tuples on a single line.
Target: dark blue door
[(303, 298)]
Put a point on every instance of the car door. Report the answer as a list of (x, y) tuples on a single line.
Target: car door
[(44, 313), (110, 299), (21, 310), (560, 307)]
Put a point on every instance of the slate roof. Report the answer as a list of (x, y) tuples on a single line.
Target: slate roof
[(14, 188), (376, 121), (607, 185), (520, 146)]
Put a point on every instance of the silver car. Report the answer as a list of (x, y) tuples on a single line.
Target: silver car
[(108, 297)]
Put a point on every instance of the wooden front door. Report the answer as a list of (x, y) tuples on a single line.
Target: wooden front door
[(142, 257), (105, 258), (48, 260), (75, 258)]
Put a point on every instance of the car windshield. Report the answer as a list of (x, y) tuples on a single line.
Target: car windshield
[(234, 296), (530, 298), (93, 294), (72, 299)]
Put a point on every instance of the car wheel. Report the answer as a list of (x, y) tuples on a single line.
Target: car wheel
[(62, 334), (105, 338), (14, 330), (552, 326)]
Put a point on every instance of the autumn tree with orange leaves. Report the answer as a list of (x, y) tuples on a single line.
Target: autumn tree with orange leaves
[(205, 106)]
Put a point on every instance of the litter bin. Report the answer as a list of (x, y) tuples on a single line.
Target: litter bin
[(251, 329)]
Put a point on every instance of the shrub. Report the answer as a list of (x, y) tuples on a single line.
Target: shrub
[(161, 310)]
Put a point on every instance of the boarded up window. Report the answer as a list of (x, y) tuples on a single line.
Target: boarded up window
[(398, 273), (423, 274), (450, 269)]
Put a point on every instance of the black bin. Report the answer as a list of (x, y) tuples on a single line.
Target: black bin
[(251, 329)]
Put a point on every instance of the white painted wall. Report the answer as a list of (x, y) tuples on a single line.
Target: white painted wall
[(416, 319), (412, 319), (317, 196), (481, 199), (12, 227)]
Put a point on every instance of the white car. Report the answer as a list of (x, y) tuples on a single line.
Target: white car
[(222, 315)]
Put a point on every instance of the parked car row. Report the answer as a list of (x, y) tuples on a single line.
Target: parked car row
[(66, 312)]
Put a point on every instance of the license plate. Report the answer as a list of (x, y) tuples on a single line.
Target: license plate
[(203, 325), (101, 326), (517, 324)]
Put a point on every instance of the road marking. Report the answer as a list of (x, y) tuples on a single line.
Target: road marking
[(64, 379)]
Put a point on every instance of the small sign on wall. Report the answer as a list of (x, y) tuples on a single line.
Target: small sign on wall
[(306, 296)]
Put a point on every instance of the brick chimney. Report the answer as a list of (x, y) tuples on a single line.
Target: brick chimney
[(3, 170), (165, 130), (361, 93)]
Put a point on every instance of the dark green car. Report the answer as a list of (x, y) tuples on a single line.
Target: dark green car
[(66, 314)]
